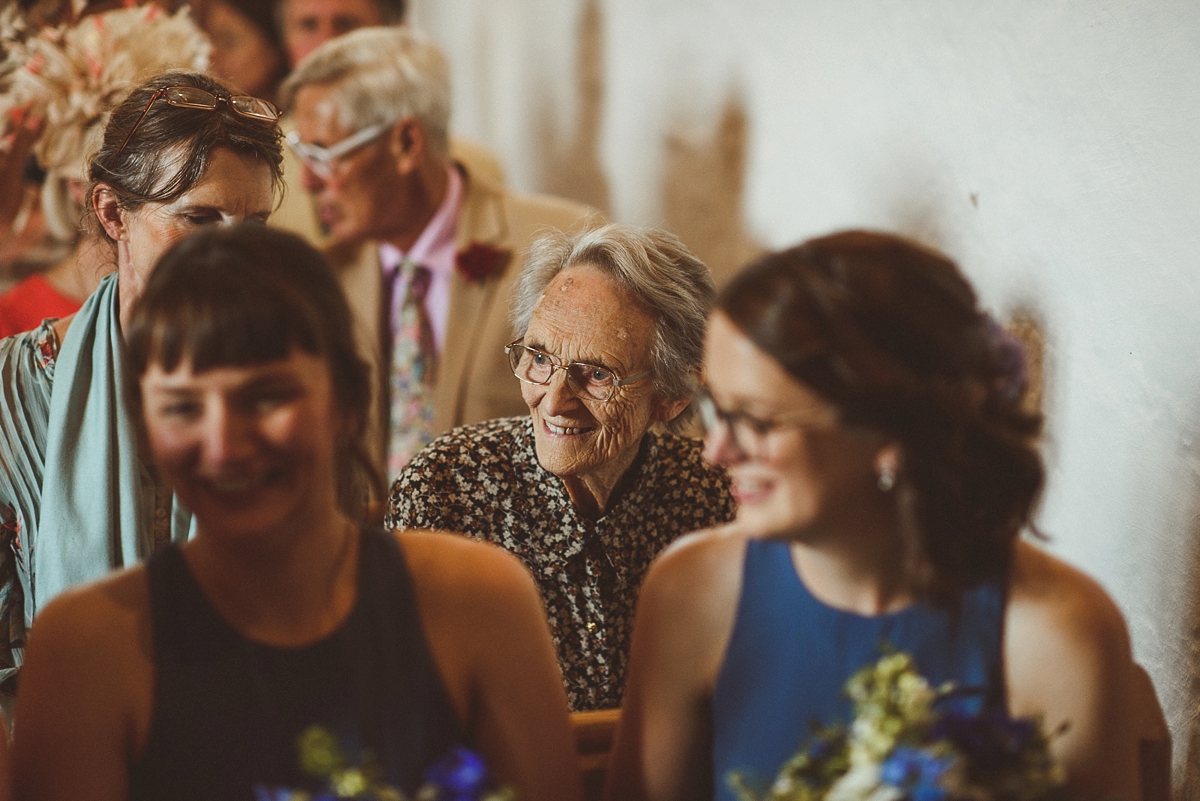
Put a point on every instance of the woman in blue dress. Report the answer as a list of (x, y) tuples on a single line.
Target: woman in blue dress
[(870, 418), (197, 674)]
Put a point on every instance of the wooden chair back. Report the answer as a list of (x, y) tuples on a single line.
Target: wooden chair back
[(594, 731), (1154, 739)]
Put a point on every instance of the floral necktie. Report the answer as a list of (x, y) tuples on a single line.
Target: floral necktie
[(414, 373)]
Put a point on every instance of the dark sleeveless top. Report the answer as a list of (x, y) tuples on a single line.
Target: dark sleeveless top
[(228, 711), (790, 655)]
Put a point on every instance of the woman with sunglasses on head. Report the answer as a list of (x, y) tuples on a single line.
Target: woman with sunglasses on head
[(590, 486), (78, 497), (205, 667), (870, 417)]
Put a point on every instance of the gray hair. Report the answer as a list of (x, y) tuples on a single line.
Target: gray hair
[(651, 264), (381, 75)]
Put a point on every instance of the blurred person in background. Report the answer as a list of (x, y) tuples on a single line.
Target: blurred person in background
[(426, 248), (305, 25), (247, 53), (52, 76)]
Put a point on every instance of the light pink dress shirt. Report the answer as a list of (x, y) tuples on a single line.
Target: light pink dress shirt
[(434, 250)]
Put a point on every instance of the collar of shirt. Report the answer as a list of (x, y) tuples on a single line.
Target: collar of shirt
[(433, 250)]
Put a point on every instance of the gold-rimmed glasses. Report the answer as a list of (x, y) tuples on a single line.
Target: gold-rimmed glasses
[(592, 381), (197, 98), (750, 432)]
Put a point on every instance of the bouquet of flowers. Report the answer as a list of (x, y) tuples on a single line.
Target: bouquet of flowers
[(460, 775), (911, 742)]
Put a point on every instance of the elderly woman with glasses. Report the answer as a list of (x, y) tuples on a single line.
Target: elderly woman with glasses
[(589, 487), (77, 497)]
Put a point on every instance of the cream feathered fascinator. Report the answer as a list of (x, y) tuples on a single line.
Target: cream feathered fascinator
[(74, 74)]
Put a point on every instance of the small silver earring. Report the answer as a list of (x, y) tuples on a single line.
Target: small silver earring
[(887, 478)]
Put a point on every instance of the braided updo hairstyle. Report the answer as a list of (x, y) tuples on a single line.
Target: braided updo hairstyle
[(891, 334)]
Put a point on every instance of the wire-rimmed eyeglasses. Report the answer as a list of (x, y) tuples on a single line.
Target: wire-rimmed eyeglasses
[(197, 98), (591, 381), (749, 432), (322, 160)]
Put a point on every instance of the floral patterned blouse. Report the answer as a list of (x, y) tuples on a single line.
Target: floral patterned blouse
[(485, 481), (26, 377)]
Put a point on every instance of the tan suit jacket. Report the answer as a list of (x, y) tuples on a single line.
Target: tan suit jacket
[(474, 380)]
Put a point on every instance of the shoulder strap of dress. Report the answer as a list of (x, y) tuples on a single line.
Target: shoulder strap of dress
[(997, 697)]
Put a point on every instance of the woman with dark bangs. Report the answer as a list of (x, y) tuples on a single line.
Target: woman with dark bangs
[(76, 498), (195, 675), (870, 418)]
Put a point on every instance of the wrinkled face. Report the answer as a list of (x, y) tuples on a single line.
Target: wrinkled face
[(235, 188), (363, 196), (584, 316), (242, 56), (248, 449), (308, 24), (803, 468)]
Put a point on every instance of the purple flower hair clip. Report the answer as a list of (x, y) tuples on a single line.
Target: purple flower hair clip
[(1009, 362)]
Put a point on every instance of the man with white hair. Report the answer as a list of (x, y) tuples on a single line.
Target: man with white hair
[(427, 251)]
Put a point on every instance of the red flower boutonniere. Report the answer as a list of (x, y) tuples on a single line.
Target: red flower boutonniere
[(479, 262)]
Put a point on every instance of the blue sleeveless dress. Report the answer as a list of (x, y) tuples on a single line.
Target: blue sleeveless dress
[(790, 655), (228, 711)]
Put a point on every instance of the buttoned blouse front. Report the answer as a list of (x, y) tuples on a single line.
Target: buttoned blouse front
[(485, 481)]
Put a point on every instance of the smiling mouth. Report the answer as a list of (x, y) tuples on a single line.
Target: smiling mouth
[(243, 486), (233, 487), (564, 431), (750, 490)]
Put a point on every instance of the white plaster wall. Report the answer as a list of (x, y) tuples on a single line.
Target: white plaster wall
[(1074, 125)]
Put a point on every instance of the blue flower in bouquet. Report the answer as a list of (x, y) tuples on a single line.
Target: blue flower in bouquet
[(263, 793), (460, 775), (911, 767), (916, 771), (820, 750), (990, 740), (929, 792)]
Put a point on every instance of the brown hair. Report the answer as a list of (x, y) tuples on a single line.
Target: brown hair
[(891, 334), (170, 149), (249, 295)]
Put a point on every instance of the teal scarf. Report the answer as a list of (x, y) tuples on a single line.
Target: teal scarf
[(97, 498)]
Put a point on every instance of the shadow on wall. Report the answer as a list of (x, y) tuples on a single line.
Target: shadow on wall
[(1027, 324), (703, 179), (703, 186), (572, 168)]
